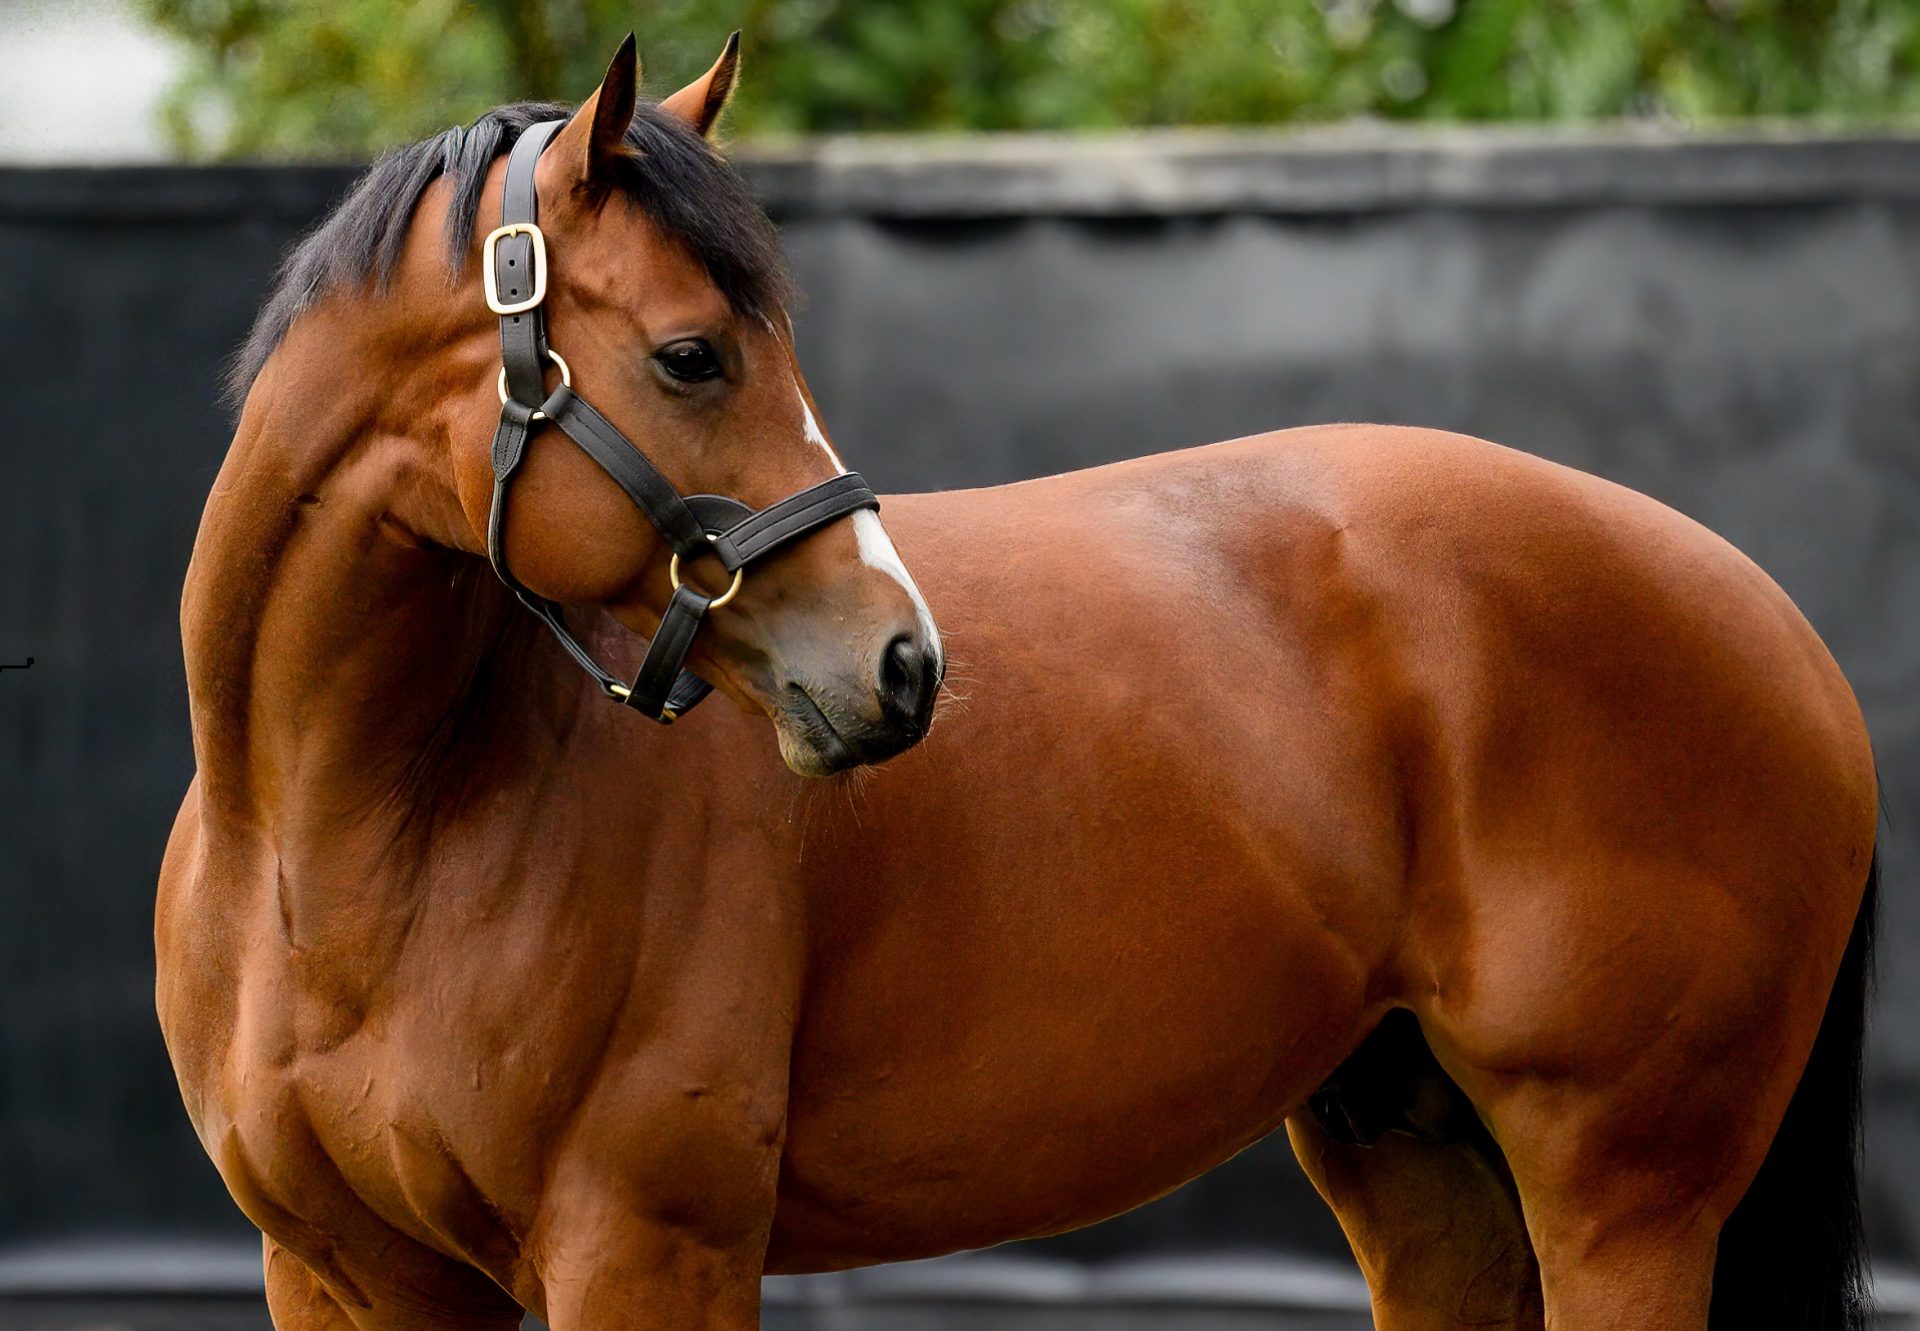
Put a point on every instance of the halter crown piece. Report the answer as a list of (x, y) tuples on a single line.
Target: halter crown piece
[(514, 264)]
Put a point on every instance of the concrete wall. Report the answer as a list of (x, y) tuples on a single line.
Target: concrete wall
[(1732, 326)]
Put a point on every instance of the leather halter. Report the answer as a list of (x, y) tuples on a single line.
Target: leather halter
[(515, 277)]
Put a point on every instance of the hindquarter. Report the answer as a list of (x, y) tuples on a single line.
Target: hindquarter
[(1643, 816)]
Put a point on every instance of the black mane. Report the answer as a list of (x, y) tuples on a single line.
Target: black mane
[(683, 185)]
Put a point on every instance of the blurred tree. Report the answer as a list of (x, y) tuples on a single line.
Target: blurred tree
[(345, 77)]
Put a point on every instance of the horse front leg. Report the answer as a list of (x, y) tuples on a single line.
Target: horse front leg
[(656, 1217), (608, 1269), (296, 1299), (653, 1282), (299, 1300)]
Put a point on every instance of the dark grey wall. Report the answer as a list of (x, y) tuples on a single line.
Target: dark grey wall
[(1733, 327)]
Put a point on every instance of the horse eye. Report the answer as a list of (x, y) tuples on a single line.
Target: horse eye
[(691, 361)]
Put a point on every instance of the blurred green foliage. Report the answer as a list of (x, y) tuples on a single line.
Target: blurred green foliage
[(345, 77)]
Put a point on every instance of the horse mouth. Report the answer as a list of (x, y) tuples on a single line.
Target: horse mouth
[(808, 740)]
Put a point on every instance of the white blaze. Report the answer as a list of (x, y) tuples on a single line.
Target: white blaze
[(876, 547)]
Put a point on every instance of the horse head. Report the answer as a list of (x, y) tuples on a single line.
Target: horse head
[(661, 292)]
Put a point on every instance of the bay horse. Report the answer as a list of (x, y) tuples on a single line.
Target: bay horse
[(1504, 835)]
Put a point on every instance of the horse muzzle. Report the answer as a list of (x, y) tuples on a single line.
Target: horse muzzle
[(828, 725)]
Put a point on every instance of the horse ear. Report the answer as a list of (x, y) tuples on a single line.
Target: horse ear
[(596, 136), (701, 102)]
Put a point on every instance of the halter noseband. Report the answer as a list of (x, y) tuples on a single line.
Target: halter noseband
[(514, 264)]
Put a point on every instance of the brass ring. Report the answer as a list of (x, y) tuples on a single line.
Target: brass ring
[(739, 576), (566, 377)]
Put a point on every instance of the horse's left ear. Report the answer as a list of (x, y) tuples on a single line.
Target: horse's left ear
[(701, 102), (597, 134)]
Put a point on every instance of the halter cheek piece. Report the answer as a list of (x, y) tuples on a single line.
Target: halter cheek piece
[(514, 263)]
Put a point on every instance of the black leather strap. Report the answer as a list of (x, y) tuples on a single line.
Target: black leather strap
[(687, 690), (796, 515), (509, 447), (651, 492), (523, 337), (661, 668), (691, 527)]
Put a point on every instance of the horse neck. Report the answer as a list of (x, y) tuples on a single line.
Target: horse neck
[(349, 666)]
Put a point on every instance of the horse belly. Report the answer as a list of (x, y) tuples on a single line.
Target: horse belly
[(1003, 1120), (1051, 1043)]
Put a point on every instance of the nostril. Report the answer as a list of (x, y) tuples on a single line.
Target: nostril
[(898, 667), (906, 677)]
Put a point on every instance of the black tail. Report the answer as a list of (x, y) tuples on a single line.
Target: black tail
[(1792, 1255)]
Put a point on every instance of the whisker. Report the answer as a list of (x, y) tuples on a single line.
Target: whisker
[(855, 783)]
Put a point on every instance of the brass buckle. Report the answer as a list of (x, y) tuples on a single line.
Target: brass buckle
[(667, 715), (539, 258), (739, 576), (566, 377)]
